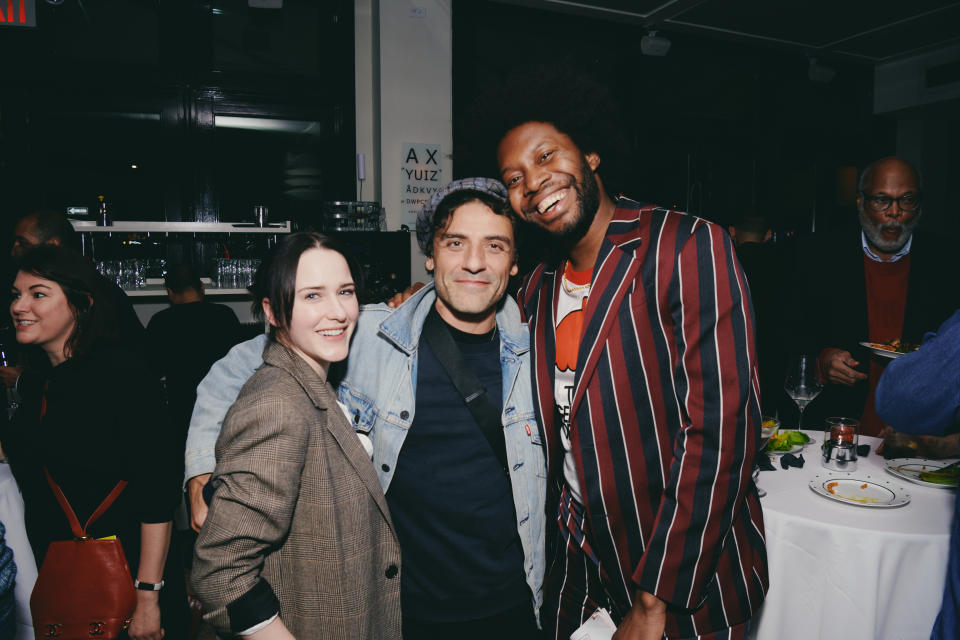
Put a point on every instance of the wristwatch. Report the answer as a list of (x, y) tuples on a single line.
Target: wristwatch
[(147, 586)]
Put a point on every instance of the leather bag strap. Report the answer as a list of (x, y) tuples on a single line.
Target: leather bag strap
[(72, 516), (467, 384)]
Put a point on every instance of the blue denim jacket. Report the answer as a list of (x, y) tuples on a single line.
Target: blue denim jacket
[(378, 391), (215, 395)]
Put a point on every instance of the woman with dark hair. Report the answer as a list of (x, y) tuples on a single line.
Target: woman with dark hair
[(298, 541), (92, 415)]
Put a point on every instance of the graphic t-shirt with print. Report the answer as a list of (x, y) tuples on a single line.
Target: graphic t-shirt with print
[(570, 304)]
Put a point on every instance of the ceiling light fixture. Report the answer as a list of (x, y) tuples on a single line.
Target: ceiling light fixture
[(654, 45)]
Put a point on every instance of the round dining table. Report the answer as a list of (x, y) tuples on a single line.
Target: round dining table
[(841, 570)]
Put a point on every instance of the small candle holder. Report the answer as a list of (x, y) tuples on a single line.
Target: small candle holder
[(840, 440)]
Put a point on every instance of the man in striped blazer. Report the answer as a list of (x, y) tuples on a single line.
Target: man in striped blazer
[(645, 378)]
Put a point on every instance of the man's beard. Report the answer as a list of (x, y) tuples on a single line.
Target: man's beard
[(556, 244), (874, 233)]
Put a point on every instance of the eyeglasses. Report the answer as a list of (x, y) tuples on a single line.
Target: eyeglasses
[(906, 202)]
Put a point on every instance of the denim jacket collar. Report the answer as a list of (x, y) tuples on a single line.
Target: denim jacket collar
[(404, 325)]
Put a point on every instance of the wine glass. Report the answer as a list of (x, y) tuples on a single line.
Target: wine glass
[(802, 384)]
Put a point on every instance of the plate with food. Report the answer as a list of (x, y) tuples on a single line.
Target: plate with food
[(930, 473), (859, 489), (788, 441), (892, 349)]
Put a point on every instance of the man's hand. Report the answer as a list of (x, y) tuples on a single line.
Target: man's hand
[(198, 506), (399, 298), (9, 376), (939, 446), (646, 619), (902, 445), (838, 367)]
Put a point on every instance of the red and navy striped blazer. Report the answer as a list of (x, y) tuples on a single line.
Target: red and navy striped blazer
[(665, 417)]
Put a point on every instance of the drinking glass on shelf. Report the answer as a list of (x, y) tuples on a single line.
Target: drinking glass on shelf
[(802, 384), (226, 276), (254, 265)]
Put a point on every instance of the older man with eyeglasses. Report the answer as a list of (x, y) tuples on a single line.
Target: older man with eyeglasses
[(895, 287)]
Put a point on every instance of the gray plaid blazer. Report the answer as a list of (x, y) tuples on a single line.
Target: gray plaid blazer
[(297, 512)]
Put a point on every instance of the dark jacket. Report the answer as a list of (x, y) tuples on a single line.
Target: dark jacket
[(832, 308)]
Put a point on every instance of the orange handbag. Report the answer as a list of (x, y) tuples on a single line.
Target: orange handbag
[(84, 588)]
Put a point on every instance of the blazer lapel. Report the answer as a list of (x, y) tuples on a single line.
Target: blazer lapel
[(346, 437), (614, 274), (323, 397), (544, 339)]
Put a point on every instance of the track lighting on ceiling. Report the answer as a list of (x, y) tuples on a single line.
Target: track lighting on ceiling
[(654, 45)]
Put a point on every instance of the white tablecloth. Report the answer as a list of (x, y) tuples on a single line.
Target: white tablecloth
[(851, 572), (11, 514)]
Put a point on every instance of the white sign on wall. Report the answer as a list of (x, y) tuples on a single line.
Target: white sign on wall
[(420, 178)]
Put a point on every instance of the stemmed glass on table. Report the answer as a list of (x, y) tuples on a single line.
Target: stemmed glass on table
[(802, 384), (768, 427)]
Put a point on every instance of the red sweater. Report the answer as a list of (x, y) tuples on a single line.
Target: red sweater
[(886, 305)]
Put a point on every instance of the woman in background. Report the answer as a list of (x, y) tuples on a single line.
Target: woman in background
[(298, 541), (92, 415)]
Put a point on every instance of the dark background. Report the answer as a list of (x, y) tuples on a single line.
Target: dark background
[(106, 84), (716, 128), (722, 126)]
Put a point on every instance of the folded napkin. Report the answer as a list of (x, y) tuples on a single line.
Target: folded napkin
[(863, 451), (764, 464), (788, 460)]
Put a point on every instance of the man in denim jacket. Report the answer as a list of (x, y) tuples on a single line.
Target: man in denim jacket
[(472, 536)]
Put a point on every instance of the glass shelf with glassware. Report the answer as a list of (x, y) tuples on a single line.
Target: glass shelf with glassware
[(134, 254), (139, 226), (153, 288)]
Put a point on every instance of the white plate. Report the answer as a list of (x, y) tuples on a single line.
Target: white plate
[(878, 350), (910, 468), (797, 448), (860, 489)]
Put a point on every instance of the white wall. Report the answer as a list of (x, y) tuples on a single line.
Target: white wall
[(367, 93), (902, 83), (411, 91)]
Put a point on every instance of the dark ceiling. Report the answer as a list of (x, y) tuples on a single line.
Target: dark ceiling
[(864, 30)]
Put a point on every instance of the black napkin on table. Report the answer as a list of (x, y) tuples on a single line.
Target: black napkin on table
[(863, 450), (764, 464), (788, 460)]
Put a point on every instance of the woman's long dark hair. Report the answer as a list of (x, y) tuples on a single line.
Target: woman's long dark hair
[(84, 289)]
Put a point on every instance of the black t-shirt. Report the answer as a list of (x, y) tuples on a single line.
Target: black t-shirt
[(450, 500), (183, 342)]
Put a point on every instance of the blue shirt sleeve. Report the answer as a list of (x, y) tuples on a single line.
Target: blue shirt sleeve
[(919, 393), (215, 395)]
